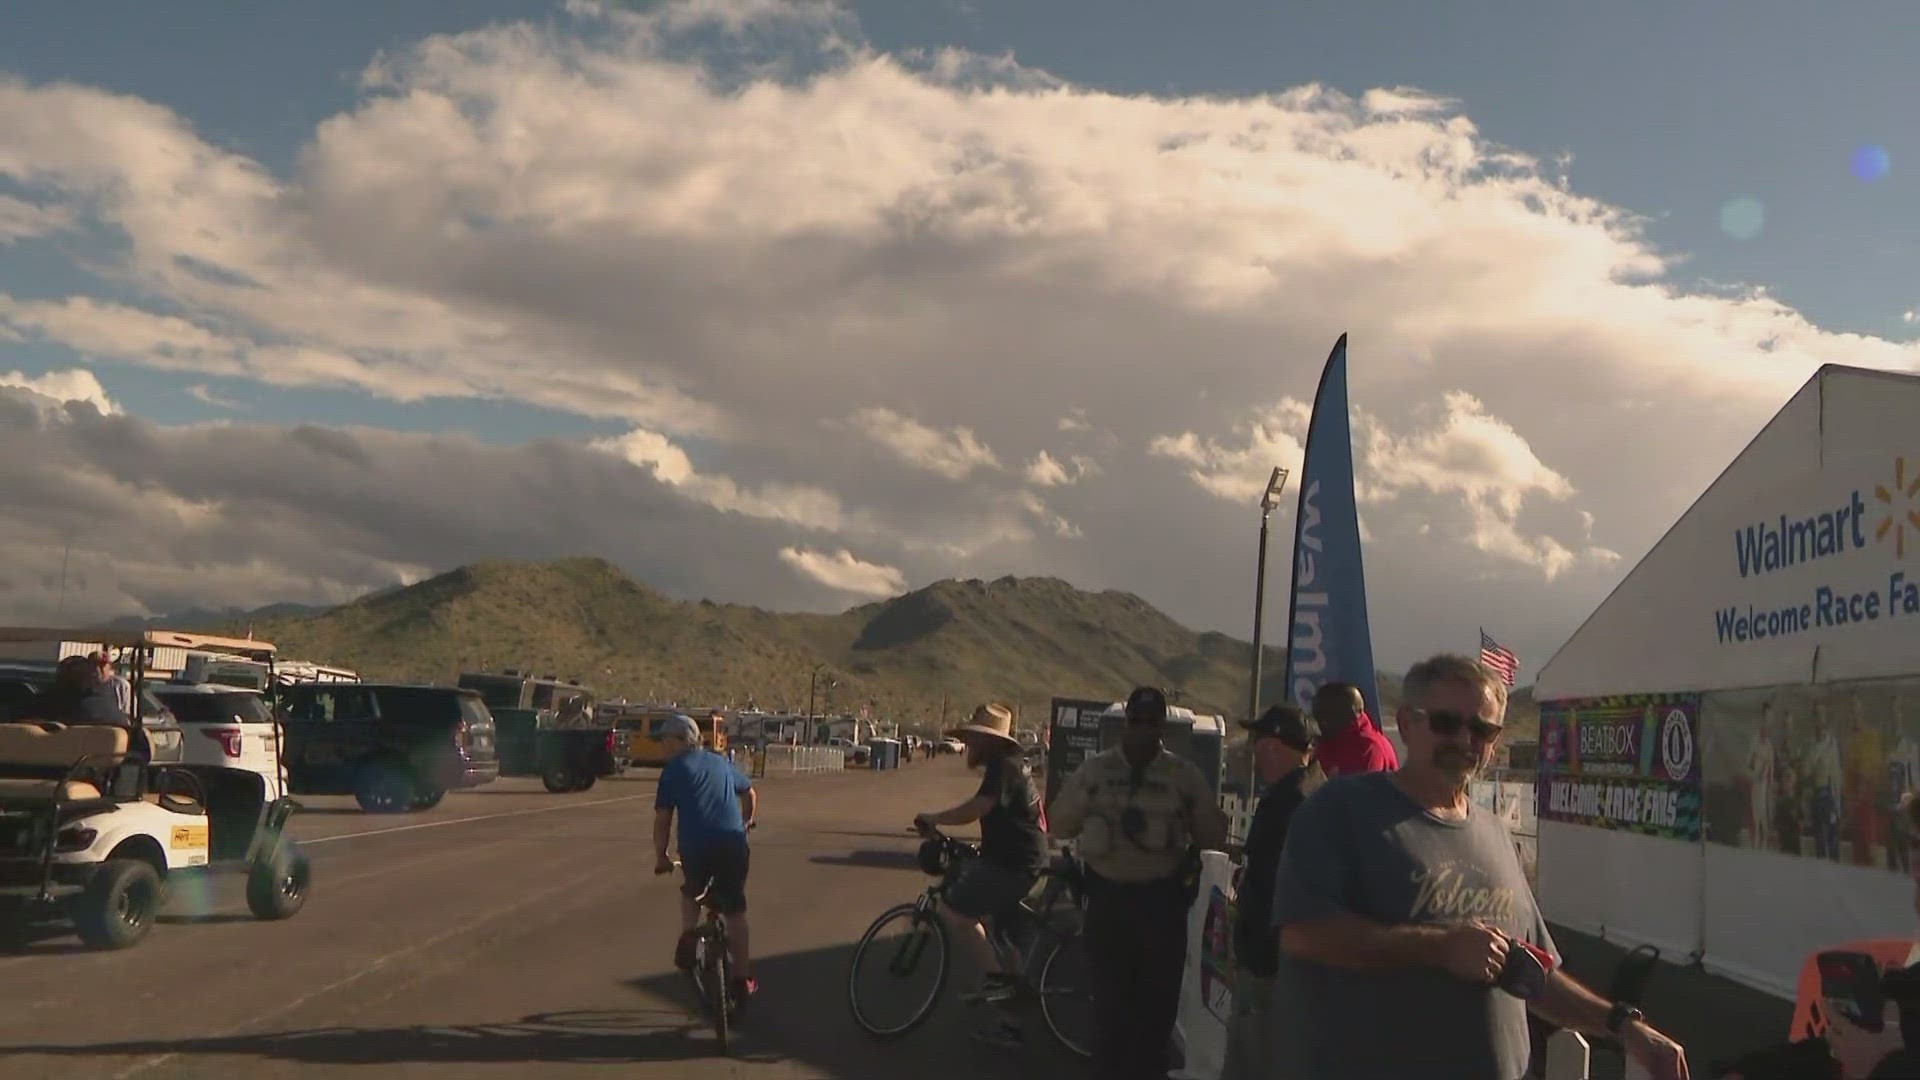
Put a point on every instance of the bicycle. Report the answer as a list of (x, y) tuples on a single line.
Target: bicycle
[(712, 971), (1063, 988)]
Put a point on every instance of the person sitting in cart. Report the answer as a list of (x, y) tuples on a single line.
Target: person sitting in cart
[(77, 697)]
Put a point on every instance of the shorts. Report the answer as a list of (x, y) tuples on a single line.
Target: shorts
[(720, 869), (980, 890)]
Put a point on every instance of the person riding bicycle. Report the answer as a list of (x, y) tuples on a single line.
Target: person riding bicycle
[(717, 805), (1013, 852)]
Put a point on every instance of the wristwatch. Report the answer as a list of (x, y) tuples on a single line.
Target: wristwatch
[(1621, 1015)]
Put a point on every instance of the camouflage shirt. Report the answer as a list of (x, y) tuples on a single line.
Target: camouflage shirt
[(1136, 826)]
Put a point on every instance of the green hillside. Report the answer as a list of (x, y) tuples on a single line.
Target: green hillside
[(1019, 640)]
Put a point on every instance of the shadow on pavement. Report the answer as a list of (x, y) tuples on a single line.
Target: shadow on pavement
[(801, 1015), (879, 860), (575, 1038)]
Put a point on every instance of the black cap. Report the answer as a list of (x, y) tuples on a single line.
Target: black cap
[(1147, 703), (1286, 723)]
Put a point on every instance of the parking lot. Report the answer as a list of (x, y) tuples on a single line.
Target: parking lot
[(506, 932)]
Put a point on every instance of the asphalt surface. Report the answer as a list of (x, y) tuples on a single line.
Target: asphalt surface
[(509, 932)]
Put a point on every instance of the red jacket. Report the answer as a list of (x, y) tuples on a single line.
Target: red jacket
[(1361, 748)]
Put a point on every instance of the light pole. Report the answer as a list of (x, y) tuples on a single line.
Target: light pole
[(1269, 501), (813, 682)]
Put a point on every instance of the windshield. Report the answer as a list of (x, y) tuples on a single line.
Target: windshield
[(217, 708), (498, 691)]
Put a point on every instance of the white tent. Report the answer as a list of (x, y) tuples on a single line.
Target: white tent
[(1779, 622)]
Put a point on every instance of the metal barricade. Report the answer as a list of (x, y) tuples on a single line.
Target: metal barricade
[(783, 759)]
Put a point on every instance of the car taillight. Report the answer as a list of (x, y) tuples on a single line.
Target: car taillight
[(610, 742), (228, 738)]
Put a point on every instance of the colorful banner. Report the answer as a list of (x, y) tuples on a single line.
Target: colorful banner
[(1814, 770), (1331, 641), (1629, 763)]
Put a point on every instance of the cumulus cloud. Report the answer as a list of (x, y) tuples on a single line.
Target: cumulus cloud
[(954, 454), (1045, 470), (727, 227), (20, 220), (842, 571), (77, 385)]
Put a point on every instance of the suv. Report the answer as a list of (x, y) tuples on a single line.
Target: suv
[(21, 683), (392, 747)]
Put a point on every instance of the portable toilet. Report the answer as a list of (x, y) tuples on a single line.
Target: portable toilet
[(884, 753), (1200, 739)]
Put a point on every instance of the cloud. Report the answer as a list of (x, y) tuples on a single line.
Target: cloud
[(206, 396), (841, 570), (725, 228), (1045, 470), (23, 220), (954, 454), (77, 385), (795, 504)]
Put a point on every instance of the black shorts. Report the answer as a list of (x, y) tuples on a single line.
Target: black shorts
[(722, 868)]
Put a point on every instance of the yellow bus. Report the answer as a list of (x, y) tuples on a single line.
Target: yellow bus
[(642, 725)]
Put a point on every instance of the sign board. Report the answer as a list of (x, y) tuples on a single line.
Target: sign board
[(1073, 736), (1630, 763)]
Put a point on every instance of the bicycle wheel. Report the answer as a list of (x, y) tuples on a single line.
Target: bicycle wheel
[(1066, 995), (718, 968), (894, 961)]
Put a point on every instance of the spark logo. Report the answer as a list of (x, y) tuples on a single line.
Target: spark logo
[(1899, 508)]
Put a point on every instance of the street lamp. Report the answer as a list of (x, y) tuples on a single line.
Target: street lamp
[(1269, 501), (812, 684)]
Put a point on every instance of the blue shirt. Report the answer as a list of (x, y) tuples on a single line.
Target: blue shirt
[(704, 790)]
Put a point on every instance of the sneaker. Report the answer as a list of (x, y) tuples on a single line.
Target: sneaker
[(996, 988), (683, 951), (743, 991), (1001, 1035)]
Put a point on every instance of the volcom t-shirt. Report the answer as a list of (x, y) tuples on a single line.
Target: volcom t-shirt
[(1362, 847)]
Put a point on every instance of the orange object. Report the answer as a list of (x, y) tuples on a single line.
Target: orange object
[(1809, 1015)]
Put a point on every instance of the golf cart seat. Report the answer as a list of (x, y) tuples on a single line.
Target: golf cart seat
[(50, 752)]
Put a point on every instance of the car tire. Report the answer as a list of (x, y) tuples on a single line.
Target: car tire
[(560, 779), (385, 791), (427, 800), (277, 884), (119, 905)]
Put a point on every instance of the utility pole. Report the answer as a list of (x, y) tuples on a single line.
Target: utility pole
[(1269, 500)]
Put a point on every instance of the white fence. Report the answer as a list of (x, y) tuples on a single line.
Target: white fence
[(783, 760)]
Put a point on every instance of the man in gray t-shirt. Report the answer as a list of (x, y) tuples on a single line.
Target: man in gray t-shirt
[(1398, 903)]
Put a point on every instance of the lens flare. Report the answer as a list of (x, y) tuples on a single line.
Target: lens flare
[(1743, 218), (1871, 163)]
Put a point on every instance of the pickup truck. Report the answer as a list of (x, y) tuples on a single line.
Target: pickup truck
[(565, 758)]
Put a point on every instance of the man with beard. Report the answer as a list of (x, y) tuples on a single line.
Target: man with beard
[(1398, 897), (1141, 815)]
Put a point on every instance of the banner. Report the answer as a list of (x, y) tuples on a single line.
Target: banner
[(1073, 736), (1327, 611), (1627, 763), (1814, 770), (1206, 992)]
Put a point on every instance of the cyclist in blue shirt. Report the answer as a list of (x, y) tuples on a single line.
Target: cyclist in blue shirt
[(716, 803)]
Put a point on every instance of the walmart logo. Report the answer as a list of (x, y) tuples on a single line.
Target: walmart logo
[(1898, 507)]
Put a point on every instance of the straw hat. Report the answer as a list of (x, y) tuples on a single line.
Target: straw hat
[(994, 720)]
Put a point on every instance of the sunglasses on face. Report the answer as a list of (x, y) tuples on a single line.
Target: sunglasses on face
[(1443, 722)]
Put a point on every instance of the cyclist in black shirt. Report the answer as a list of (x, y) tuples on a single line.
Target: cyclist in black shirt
[(1013, 852)]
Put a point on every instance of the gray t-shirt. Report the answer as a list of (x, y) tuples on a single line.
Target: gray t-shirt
[(1361, 847)]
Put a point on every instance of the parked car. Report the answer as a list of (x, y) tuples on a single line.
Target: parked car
[(393, 747), (20, 683), (227, 726), (565, 758)]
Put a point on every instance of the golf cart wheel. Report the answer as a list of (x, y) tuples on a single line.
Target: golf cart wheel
[(427, 800), (119, 905), (385, 791), (277, 885)]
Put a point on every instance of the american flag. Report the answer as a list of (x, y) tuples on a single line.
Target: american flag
[(1499, 658)]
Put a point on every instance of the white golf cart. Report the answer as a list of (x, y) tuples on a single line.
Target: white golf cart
[(92, 832)]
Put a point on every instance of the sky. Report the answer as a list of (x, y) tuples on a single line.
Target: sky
[(801, 304)]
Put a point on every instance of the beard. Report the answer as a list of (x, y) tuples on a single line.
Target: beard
[(1456, 760)]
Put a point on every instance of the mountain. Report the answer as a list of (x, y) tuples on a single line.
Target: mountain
[(1018, 640)]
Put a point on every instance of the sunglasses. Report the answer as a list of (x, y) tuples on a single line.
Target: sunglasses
[(1449, 723)]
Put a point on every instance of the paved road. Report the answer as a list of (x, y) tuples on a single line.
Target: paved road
[(507, 932)]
